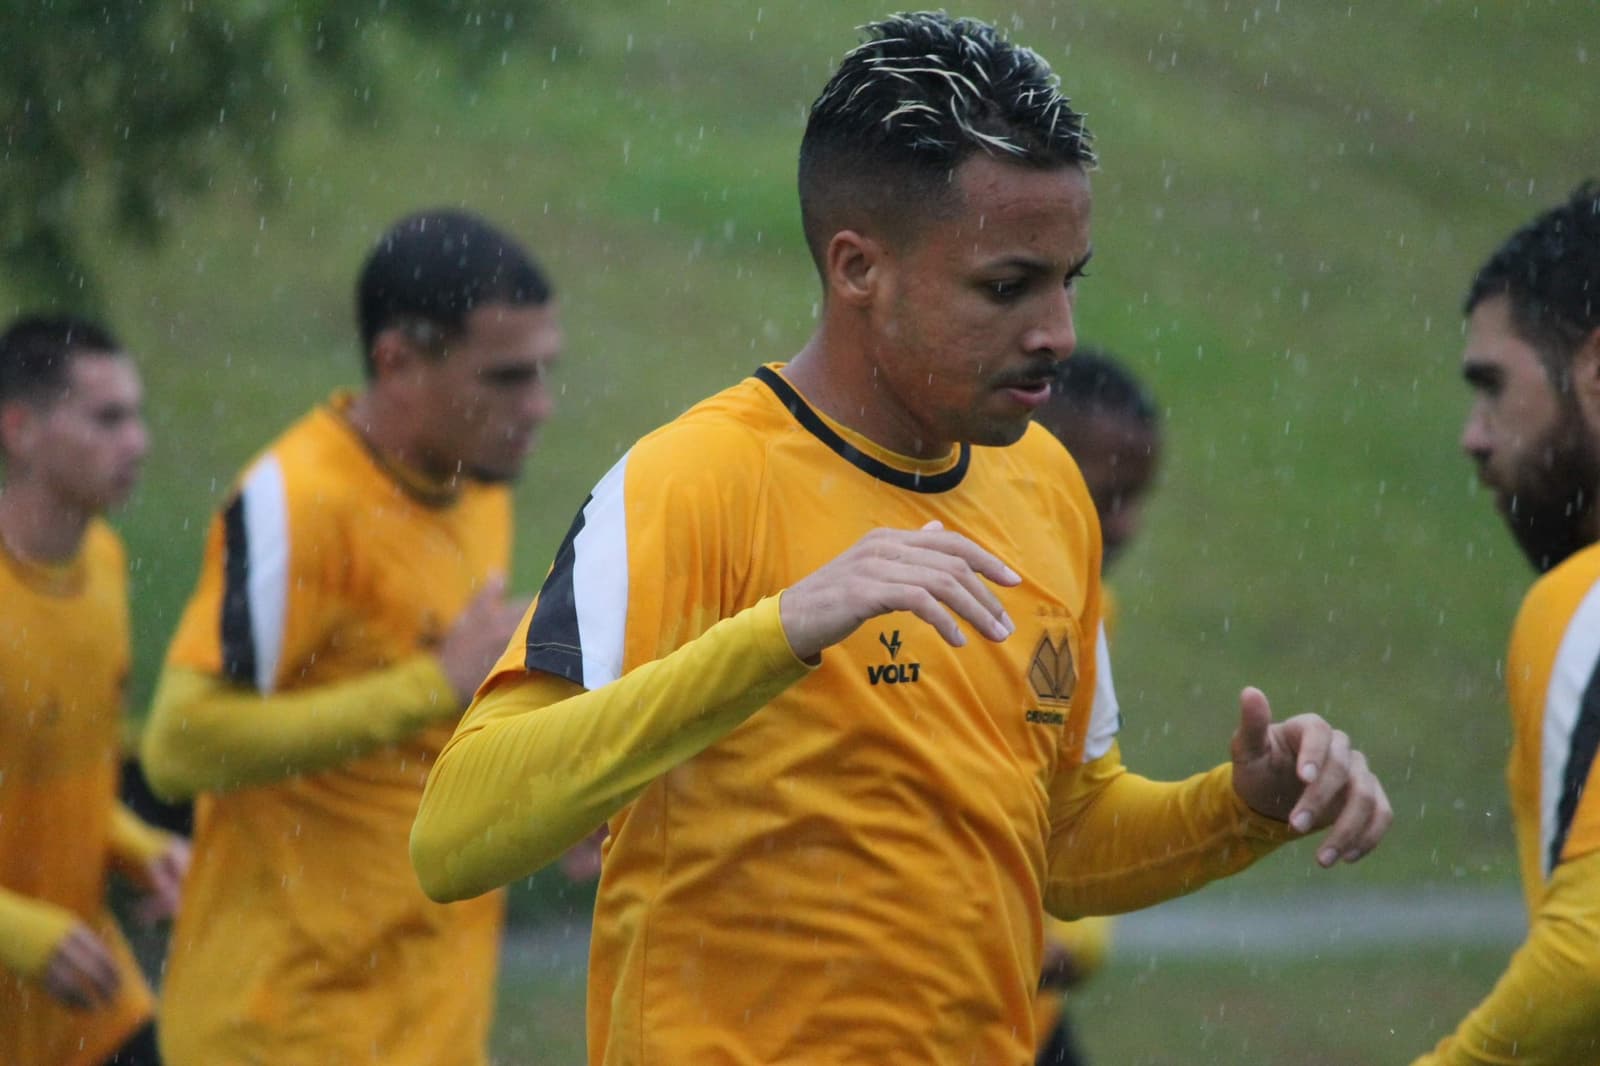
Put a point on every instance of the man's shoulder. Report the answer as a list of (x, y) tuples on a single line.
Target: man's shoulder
[(1552, 605), (1566, 584), (315, 454), (734, 427)]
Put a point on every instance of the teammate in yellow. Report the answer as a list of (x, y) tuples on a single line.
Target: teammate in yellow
[(827, 652), (1532, 360), (72, 440), (350, 601), (1111, 427)]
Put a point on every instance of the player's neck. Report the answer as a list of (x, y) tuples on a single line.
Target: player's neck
[(846, 389), (37, 526), (387, 431)]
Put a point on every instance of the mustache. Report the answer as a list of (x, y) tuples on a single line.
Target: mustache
[(1035, 374)]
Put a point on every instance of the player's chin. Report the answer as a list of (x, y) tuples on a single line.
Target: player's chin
[(998, 430)]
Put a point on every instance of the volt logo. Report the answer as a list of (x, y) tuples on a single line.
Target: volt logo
[(892, 672)]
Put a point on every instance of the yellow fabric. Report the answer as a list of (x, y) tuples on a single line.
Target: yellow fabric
[(1086, 939), (488, 818), (135, 845), (1545, 1009), (63, 666), (855, 871), (304, 937), (207, 734)]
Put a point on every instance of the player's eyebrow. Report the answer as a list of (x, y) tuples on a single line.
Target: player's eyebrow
[(1037, 265)]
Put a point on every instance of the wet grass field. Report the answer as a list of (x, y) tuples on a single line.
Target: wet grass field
[(1291, 201)]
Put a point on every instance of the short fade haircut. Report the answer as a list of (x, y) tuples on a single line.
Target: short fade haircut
[(36, 353), (921, 94), (1550, 272), (1094, 382), (432, 269)]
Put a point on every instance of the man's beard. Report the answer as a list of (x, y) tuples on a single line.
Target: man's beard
[(1552, 513)]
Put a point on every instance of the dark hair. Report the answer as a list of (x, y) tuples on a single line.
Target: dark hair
[(1092, 381), (1550, 271), (36, 351), (432, 269), (922, 93)]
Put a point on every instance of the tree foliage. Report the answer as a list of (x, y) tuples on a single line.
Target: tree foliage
[(113, 111)]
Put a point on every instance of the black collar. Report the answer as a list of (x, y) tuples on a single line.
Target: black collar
[(813, 423)]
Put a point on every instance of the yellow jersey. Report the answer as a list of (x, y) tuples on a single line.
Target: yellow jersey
[(844, 864), (63, 667), (304, 937), (1546, 1007)]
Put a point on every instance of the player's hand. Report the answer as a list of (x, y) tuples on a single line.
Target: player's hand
[(478, 637), (1304, 772), (81, 972), (935, 574), (164, 880)]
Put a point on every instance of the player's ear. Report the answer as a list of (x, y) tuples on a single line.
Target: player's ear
[(853, 265), (18, 428), (393, 354)]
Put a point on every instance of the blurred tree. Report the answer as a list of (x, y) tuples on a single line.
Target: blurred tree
[(112, 111)]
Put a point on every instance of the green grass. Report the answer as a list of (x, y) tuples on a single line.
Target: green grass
[(1145, 1011), (1291, 200)]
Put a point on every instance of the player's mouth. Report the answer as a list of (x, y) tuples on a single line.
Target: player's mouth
[(1029, 393)]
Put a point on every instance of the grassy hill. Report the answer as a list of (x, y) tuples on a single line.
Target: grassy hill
[(1291, 201)]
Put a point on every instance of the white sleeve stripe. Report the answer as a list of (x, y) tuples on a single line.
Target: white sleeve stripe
[(1105, 717), (266, 519), (600, 579), (1570, 675)]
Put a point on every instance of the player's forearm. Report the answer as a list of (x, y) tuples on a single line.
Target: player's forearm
[(538, 764), (134, 844), (206, 734), (1120, 842), (1545, 1009), (30, 929)]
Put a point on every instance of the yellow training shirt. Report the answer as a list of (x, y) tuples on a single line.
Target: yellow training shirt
[(63, 666), (839, 865), (302, 668), (1545, 1010)]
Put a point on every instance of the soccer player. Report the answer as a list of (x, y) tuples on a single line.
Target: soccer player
[(1532, 361), (350, 600), (826, 649), (1106, 419), (72, 440)]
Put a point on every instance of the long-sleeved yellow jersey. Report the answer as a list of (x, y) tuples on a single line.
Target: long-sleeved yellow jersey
[(301, 700), (63, 667), (842, 864), (1545, 1009)]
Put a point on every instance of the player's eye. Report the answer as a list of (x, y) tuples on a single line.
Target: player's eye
[(1007, 290)]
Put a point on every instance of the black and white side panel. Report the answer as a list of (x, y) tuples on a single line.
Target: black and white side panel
[(1571, 728), (256, 577), (579, 627), (1105, 716)]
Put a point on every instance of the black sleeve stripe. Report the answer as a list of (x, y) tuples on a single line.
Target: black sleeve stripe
[(1580, 760), (554, 644), (238, 637)]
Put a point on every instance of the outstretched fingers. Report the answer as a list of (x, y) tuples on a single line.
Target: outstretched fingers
[(1363, 820), (1324, 763)]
